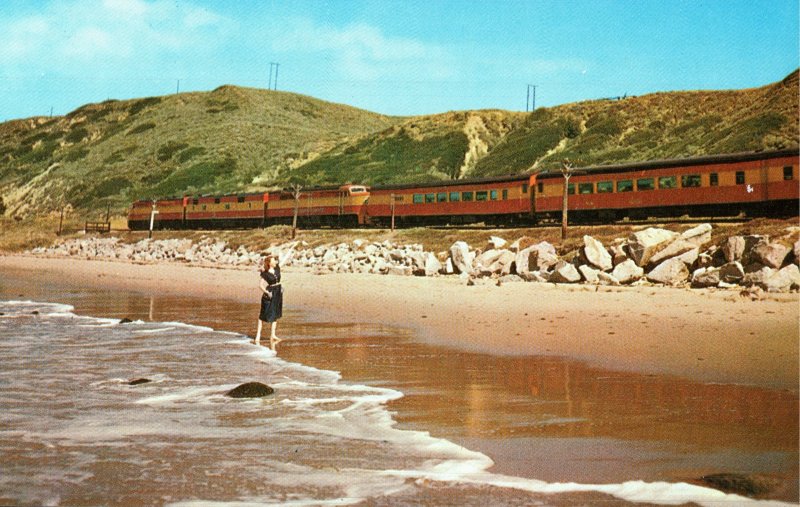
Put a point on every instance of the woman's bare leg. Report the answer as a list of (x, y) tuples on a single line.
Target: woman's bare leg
[(258, 333), (273, 339)]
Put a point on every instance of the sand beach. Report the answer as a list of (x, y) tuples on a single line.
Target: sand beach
[(557, 383)]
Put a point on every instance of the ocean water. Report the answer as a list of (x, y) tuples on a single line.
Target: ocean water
[(75, 432)]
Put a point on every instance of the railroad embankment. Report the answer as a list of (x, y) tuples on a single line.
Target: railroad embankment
[(687, 258)]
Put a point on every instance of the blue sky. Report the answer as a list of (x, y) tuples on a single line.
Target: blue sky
[(393, 57)]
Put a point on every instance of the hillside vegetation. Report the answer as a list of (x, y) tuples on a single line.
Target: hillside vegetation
[(231, 139), (237, 139)]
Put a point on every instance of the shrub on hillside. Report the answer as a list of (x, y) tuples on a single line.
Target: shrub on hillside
[(77, 135), (144, 127), (139, 105), (166, 151)]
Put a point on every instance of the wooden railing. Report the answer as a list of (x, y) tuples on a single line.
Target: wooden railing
[(97, 227)]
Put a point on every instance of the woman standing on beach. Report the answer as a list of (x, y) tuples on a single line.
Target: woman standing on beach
[(271, 299)]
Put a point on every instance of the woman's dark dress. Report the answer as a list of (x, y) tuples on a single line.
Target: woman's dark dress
[(272, 308)]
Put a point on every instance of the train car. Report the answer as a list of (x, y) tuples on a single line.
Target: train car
[(232, 211), (169, 214), (335, 206), (501, 200), (139, 215), (754, 184)]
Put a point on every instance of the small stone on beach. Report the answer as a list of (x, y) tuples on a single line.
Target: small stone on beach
[(250, 390)]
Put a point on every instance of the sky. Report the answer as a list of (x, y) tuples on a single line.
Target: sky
[(392, 57)]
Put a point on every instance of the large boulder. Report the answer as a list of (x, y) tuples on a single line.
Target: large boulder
[(796, 250), (770, 254), (690, 257), (484, 261), (504, 264), (496, 243), (698, 236), (670, 272), (250, 390), (705, 277), (462, 257), (432, 264), (627, 272), (733, 248), (674, 249), (596, 254), (783, 280), (539, 257), (606, 279), (642, 245), (757, 277), (732, 272), (618, 253), (589, 274), (399, 270), (565, 273)]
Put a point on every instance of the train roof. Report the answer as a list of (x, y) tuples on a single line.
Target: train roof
[(676, 162), (450, 183)]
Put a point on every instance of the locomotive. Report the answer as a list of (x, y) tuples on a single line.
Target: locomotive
[(753, 183)]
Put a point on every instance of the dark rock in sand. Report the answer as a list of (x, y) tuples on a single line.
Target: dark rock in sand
[(126, 320), (250, 390), (35, 312), (748, 485), (139, 381)]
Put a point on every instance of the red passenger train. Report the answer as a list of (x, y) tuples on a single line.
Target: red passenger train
[(755, 184)]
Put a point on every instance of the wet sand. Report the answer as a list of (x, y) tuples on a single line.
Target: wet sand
[(683, 391)]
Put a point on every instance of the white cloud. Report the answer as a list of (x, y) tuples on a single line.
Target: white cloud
[(66, 33), (363, 52)]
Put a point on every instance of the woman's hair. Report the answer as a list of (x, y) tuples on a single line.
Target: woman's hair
[(265, 264)]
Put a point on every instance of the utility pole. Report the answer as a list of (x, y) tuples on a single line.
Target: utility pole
[(393, 200), (567, 169), (178, 87), (531, 95), (61, 221), (273, 85), (297, 192), (153, 213)]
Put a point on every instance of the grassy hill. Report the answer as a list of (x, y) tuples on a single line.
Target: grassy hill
[(230, 139), (491, 143), (237, 139)]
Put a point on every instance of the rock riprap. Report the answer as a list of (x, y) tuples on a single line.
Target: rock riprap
[(648, 256)]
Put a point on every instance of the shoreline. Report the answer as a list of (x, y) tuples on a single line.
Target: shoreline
[(701, 334), (431, 401)]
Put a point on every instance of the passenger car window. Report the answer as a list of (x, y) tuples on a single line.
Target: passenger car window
[(624, 185), (585, 188), (690, 180), (604, 187), (665, 182), (645, 184)]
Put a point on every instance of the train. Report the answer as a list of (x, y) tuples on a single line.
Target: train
[(739, 184)]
